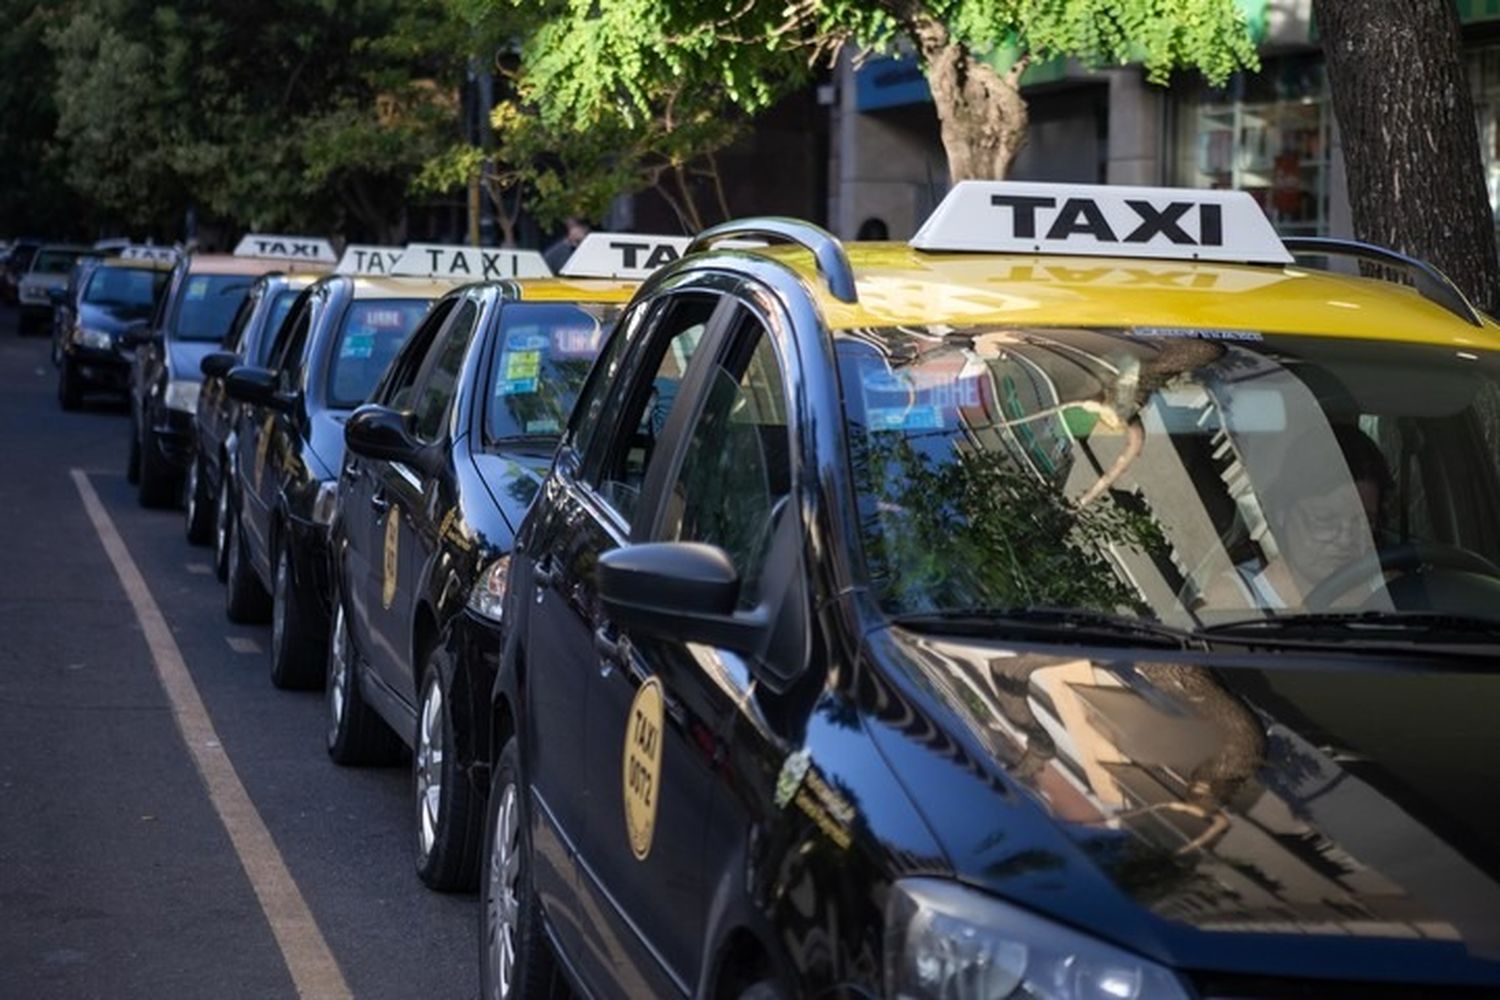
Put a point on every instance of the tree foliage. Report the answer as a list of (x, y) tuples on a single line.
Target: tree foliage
[(597, 60)]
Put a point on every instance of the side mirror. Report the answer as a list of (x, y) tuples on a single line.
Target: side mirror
[(218, 364), (247, 384), (382, 433), (685, 591)]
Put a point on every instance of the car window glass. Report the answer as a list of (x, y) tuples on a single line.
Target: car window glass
[(544, 354), (602, 377), (736, 472), (280, 307), (439, 379), (287, 360), (234, 340), (130, 289), (371, 331), (207, 304), (672, 345), (395, 389)]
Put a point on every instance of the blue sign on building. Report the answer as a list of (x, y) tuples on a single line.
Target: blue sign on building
[(889, 82)]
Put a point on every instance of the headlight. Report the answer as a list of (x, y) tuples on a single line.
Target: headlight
[(947, 941), (97, 339), (182, 395), (488, 595), (326, 502)]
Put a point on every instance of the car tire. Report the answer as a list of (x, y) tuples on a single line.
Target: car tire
[(515, 959), (298, 659), (198, 510), (223, 510), (157, 486), (449, 823), (356, 733), (245, 599), (133, 463), (69, 386)]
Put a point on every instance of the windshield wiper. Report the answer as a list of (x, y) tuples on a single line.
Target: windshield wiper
[(1058, 624), (539, 443), (1381, 627)]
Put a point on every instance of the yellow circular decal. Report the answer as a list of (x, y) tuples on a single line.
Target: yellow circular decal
[(392, 537), (260, 448), (642, 767)]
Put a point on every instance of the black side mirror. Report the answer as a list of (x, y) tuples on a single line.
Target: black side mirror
[(247, 384), (382, 433), (685, 591), (218, 364)]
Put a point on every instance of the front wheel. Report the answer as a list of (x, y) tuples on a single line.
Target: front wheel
[(356, 734), (199, 512), (69, 387), (449, 823), (297, 654), (245, 599), (157, 486), (222, 511), (515, 960)]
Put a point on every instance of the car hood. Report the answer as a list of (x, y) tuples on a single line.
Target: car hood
[(110, 319), (513, 480), (184, 356), (1261, 816)]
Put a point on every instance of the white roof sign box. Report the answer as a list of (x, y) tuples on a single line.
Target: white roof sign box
[(367, 260), (162, 255), (465, 263), (623, 255), (305, 248), (1102, 220)]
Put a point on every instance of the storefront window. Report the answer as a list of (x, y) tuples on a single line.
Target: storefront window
[(1268, 134)]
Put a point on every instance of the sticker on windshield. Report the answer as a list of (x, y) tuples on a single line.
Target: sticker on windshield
[(517, 386), (641, 768), (905, 418), (545, 426), (521, 371), (534, 342), (358, 345), (197, 289)]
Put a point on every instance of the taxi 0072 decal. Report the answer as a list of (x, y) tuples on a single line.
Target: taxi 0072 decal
[(641, 771), (392, 539)]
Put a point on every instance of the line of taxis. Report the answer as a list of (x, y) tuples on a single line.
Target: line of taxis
[(1096, 597)]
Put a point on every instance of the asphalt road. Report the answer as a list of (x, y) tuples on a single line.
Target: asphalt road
[(117, 876)]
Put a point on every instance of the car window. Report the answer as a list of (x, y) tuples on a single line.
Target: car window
[(736, 472), (395, 390), (670, 348), (370, 333), (603, 376), (234, 339), (438, 381), (280, 307), (285, 363), (127, 288), (207, 304), (545, 352), (54, 261)]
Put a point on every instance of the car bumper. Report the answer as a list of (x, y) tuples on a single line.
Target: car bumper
[(97, 367)]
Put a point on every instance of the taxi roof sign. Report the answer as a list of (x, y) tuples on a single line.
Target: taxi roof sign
[(623, 255), (161, 255), (306, 248), (367, 260), (1102, 220), (466, 263)]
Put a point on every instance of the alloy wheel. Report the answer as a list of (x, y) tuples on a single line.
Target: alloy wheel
[(429, 765), (338, 680), (278, 605), (191, 501), (221, 524), (502, 909)]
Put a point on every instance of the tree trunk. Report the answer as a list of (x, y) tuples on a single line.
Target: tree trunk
[(980, 110), (1411, 144)]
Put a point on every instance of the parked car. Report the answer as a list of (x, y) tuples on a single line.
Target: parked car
[(45, 280), (114, 298)]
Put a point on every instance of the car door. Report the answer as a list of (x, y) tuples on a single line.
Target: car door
[(363, 507), (584, 516), (411, 500), (657, 707)]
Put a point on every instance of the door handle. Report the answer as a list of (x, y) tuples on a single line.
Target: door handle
[(379, 503), (612, 647), (545, 573)]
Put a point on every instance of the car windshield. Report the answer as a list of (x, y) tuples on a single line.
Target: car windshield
[(130, 288), (207, 305), (280, 306), (546, 350), (54, 261), (370, 333), (1192, 477)]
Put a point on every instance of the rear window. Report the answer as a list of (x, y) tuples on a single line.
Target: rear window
[(370, 333), (55, 261), (546, 351), (124, 287), (207, 304)]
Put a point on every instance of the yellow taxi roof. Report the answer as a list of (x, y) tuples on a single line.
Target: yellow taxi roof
[(223, 263), (898, 285), (138, 264), (571, 289)]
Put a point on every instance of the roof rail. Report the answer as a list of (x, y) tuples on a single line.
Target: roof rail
[(826, 249), (1431, 284)]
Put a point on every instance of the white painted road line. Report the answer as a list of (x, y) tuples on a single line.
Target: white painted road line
[(313, 968), (242, 644), (199, 569)]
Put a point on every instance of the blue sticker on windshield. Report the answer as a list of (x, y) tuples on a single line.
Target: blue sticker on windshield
[(516, 386), (527, 342), (905, 418), (358, 345)]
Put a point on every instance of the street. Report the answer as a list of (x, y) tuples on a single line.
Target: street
[(118, 876)]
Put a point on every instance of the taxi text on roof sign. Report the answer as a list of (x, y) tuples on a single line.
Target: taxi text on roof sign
[(623, 255), (309, 248), (1102, 220), (435, 260), (365, 259), (163, 255)]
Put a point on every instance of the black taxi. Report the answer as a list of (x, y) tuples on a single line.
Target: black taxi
[(330, 352), (1096, 597), (442, 465), (115, 295)]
